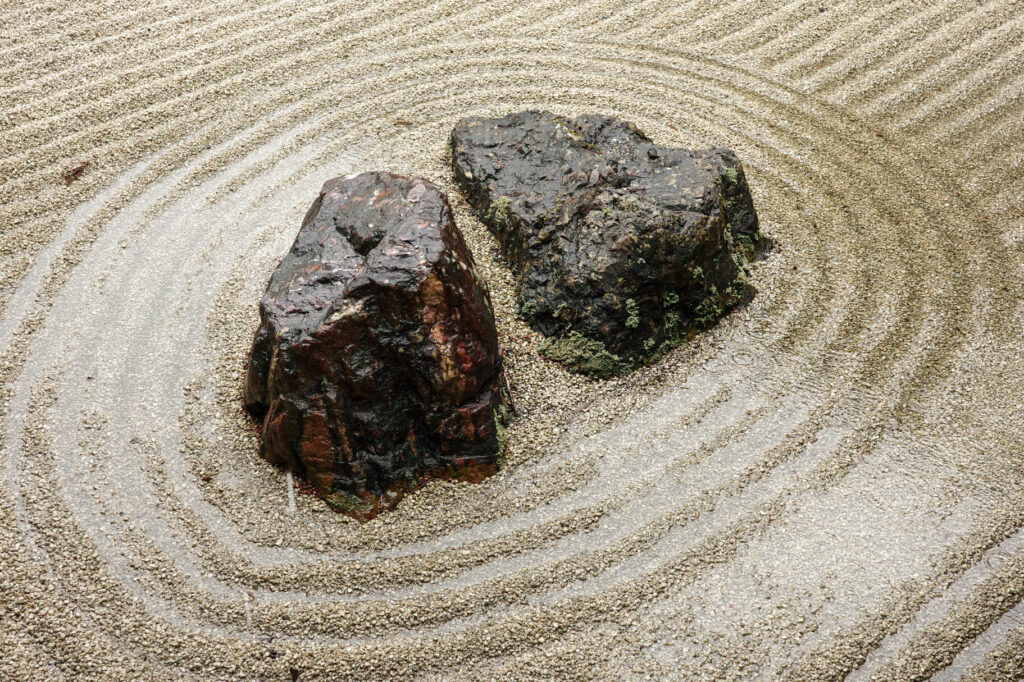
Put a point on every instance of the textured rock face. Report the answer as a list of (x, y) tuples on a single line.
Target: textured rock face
[(376, 362), (622, 248)]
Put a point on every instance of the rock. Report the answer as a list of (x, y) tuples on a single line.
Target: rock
[(376, 363), (621, 248)]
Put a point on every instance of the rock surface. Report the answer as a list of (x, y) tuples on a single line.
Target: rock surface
[(622, 248), (376, 362)]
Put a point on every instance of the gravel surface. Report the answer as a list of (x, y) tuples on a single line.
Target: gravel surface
[(828, 484)]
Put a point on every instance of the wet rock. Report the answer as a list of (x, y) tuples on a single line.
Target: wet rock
[(376, 362), (622, 248)]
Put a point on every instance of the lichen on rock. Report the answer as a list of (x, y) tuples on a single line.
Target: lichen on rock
[(614, 240)]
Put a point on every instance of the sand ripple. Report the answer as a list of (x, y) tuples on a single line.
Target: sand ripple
[(827, 484)]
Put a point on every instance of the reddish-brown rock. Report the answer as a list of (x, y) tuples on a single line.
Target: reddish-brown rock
[(376, 362)]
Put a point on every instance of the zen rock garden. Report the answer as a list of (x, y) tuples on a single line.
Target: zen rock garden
[(376, 365)]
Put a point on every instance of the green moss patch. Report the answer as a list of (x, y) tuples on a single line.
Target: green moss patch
[(632, 314), (347, 504), (499, 211), (584, 355)]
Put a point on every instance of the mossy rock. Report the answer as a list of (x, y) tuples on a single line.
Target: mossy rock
[(622, 248)]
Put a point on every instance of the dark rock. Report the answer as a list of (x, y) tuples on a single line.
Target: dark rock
[(621, 248), (376, 363)]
